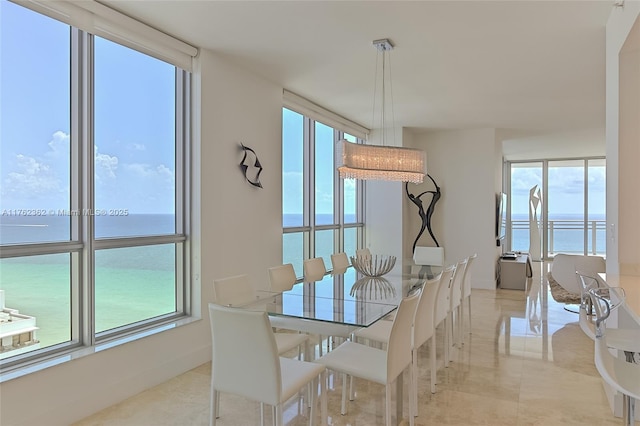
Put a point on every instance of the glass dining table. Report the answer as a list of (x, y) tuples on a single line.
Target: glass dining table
[(337, 306)]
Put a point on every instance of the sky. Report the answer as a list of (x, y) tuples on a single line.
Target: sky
[(566, 188), (134, 120)]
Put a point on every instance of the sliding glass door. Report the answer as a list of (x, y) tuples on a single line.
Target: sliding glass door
[(556, 206)]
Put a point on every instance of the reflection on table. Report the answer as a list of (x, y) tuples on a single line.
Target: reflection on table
[(343, 299)]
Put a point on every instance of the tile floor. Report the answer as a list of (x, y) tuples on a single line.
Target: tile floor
[(526, 363)]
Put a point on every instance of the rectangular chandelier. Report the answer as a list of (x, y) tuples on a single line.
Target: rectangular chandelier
[(376, 162)]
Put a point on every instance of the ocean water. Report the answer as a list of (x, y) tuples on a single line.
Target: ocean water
[(568, 234), (131, 284)]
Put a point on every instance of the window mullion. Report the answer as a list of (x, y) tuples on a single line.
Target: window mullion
[(309, 185), (84, 181)]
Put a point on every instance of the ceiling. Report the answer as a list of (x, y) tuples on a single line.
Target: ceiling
[(527, 65)]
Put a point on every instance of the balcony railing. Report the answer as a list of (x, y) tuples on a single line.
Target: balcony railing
[(564, 236)]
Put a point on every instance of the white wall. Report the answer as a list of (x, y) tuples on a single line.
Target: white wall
[(530, 145), (466, 165), (241, 233), (622, 130)]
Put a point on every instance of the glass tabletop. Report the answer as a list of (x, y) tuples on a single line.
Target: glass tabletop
[(343, 299)]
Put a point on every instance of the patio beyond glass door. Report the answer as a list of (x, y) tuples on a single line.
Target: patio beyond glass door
[(570, 200)]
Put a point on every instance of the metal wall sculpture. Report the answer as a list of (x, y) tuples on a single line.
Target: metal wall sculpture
[(425, 215), (253, 176)]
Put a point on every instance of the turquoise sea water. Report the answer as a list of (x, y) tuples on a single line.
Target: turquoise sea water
[(131, 284)]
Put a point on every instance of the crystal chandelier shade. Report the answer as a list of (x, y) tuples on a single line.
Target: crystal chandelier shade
[(376, 162), (381, 162)]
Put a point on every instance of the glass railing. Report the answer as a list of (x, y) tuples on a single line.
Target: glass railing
[(564, 236)]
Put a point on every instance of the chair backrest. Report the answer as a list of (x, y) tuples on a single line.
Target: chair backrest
[(365, 252), (444, 292), (433, 256), (339, 263), (466, 287), (587, 282), (401, 336), (564, 267), (456, 284), (245, 358), (617, 372), (282, 277), (423, 325), (234, 290), (314, 269)]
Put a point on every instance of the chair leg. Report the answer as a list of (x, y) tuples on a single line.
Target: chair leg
[(323, 398), (414, 383), (469, 315), (217, 405), (261, 414), (213, 406), (434, 372), (387, 405), (628, 408), (413, 406), (343, 409), (460, 325), (312, 398), (352, 389), (278, 419), (446, 342)]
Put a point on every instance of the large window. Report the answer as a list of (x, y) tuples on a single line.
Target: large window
[(322, 214), (92, 186), (571, 212)]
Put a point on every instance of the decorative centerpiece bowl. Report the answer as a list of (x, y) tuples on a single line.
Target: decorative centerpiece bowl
[(374, 265)]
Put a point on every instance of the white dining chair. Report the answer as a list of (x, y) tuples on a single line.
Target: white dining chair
[(423, 329), (623, 339), (237, 290), (442, 309), (621, 375), (339, 263), (440, 313), (455, 300), (433, 256), (426, 257), (363, 252), (282, 277), (466, 291), (245, 362), (314, 269), (378, 365)]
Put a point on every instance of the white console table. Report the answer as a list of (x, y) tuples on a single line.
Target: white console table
[(514, 272)]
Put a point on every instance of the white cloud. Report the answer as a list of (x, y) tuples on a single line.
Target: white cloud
[(144, 170), (59, 144), (31, 178), (105, 165)]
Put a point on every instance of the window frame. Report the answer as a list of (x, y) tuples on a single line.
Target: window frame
[(309, 226), (82, 244), (545, 164)]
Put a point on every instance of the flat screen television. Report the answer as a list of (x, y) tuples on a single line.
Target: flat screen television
[(501, 216)]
